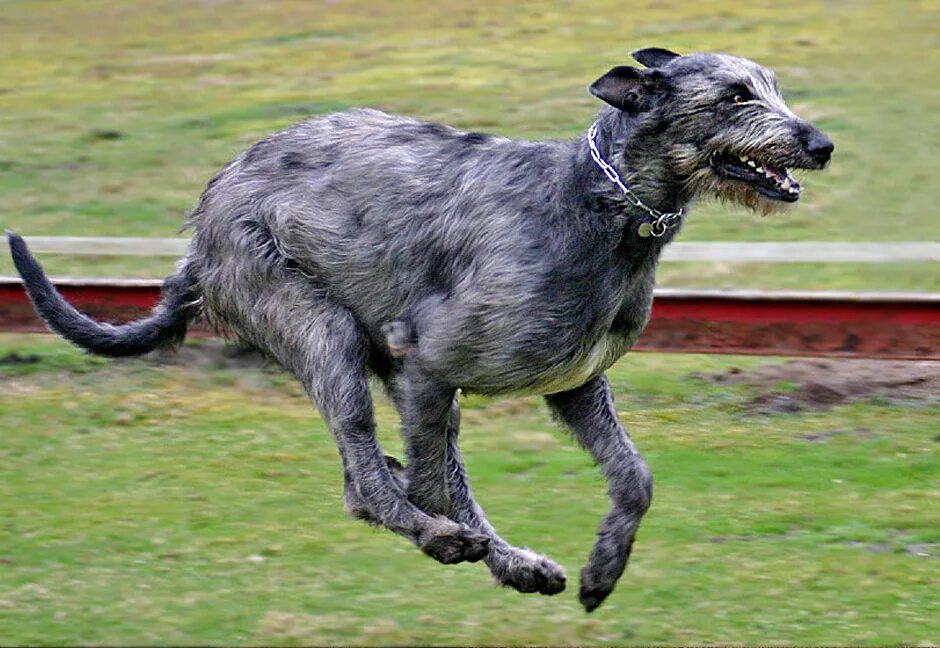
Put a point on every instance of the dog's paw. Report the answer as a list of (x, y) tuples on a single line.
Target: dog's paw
[(592, 597), (455, 543), (527, 571), (605, 567)]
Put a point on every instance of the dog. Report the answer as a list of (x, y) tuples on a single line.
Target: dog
[(438, 260)]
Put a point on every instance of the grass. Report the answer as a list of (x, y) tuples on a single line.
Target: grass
[(114, 115), (144, 504)]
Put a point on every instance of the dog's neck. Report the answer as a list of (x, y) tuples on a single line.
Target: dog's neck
[(620, 142)]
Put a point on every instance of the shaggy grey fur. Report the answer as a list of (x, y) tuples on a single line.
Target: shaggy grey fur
[(439, 260)]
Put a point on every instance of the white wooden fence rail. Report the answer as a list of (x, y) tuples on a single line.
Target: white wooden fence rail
[(713, 252)]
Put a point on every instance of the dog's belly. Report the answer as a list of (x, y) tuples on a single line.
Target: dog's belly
[(574, 373), (601, 356)]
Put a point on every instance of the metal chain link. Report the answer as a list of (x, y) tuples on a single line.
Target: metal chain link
[(662, 222)]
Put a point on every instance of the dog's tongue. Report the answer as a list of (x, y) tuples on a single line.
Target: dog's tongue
[(783, 177)]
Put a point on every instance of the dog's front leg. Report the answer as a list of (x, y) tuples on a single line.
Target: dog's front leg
[(589, 411)]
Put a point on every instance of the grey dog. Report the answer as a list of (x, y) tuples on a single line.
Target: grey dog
[(363, 243)]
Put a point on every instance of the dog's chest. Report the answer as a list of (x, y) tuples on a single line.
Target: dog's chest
[(620, 332)]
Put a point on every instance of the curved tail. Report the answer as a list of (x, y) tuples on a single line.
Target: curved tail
[(165, 327)]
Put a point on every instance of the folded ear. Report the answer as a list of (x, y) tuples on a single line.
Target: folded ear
[(654, 57), (622, 87)]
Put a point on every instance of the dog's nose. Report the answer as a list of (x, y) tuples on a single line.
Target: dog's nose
[(819, 147)]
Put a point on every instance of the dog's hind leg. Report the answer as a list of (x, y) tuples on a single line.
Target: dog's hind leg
[(354, 504), (589, 411), (437, 479), (326, 348)]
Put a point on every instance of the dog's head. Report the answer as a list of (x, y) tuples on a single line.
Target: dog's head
[(718, 124)]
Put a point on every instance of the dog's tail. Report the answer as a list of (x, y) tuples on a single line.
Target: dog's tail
[(165, 327)]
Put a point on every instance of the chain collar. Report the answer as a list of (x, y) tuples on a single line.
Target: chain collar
[(661, 222)]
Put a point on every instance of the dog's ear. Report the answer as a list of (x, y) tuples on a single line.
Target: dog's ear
[(623, 87), (654, 57)]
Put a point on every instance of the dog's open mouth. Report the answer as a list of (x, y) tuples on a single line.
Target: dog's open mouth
[(772, 182)]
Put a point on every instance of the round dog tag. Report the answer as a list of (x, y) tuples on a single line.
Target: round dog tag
[(644, 230)]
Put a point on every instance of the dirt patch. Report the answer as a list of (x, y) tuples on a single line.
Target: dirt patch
[(210, 354), (19, 359), (862, 434), (821, 383), (895, 542)]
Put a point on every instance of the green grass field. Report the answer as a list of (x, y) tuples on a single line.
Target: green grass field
[(145, 503), (200, 503)]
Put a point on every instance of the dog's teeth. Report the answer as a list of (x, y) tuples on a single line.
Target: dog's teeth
[(786, 184), (743, 158), (752, 164)]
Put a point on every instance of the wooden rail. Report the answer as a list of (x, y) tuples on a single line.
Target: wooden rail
[(713, 251), (876, 325)]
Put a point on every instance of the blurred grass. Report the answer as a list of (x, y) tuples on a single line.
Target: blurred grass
[(113, 115), (148, 504)]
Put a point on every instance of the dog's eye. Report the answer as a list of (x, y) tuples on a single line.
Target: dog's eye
[(741, 96)]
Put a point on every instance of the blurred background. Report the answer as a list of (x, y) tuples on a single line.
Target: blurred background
[(199, 499)]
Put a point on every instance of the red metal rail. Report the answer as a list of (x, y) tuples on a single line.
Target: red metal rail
[(874, 325), (869, 325)]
